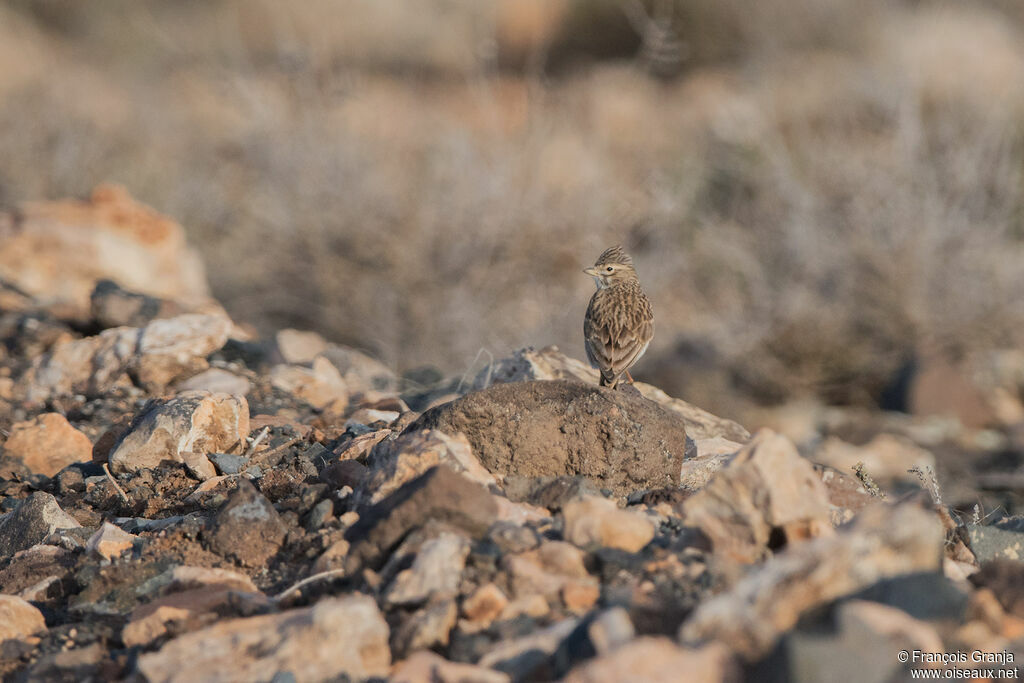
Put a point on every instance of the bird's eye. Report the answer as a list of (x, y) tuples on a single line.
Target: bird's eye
[(609, 269)]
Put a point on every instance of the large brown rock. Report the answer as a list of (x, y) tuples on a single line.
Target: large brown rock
[(549, 428), (337, 638), (550, 363), (47, 444), (57, 251), (192, 424)]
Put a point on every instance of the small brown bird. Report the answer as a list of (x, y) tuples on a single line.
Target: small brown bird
[(619, 323)]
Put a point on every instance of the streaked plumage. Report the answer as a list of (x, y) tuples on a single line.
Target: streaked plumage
[(619, 323)]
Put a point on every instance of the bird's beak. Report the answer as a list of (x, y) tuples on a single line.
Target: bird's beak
[(592, 271)]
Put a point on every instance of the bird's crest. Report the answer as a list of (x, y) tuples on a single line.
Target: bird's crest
[(614, 255)]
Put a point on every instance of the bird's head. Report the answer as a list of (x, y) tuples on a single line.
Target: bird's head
[(613, 266)]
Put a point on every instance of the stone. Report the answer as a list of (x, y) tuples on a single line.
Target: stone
[(549, 428), (440, 495), (717, 445), (187, 577), (362, 444), (549, 363), (579, 597), (228, 463), (846, 493), (78, 664), (169, 348), (111, 306), (609, 630), (332, 558), (887, 458), (519, 513), (109, 542), (815, 654), (368, 416), (599, 521), (154, 356), (484, 605), (335, 638), (534, 606), (436, 571), (321, 385), (31, 522), (56, 251), (547, 571), (193, 422), (216, 381), (47, 444), (393, 463), (298, 346), (428, 627), (530, 657), (696, 472), (1005, 578), (345, 473), (551, 493), (198, 465), (247, 528), (179, 611), (362, 373), (1003, 539), (31, 573), (658, 660), (18, 619), (427, 667), (766, 489), (321, 513), (882, 542)]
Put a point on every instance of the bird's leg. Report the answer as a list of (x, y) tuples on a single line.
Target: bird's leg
[(629, 377)]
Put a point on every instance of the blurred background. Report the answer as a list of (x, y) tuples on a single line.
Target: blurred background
[(823, 197)]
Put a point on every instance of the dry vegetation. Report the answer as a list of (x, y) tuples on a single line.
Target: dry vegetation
[(819, 191)]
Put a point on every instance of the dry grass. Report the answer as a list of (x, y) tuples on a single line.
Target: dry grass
[(822, 191)]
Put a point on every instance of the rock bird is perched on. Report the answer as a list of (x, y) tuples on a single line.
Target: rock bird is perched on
[(619, 323)]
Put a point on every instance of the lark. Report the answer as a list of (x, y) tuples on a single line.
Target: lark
[(619, 324)]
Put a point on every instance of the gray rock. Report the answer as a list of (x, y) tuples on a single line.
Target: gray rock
[(228, 463), (321, 513), (1001, 540), (31, 522)]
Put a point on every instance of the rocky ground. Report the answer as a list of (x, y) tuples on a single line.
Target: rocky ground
[(181, 501)]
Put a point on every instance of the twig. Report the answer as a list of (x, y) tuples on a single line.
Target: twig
[(308, 580), (274, 451), (256, 442), (867, 481), (927, 477), (490, 365), (124, 496)]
